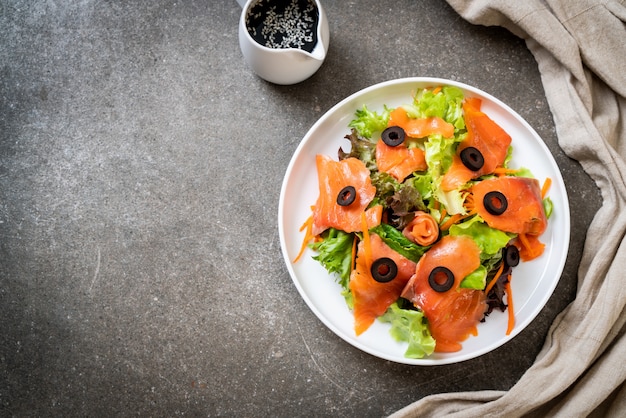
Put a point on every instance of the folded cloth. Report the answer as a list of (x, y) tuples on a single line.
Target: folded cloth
[(580, 48)]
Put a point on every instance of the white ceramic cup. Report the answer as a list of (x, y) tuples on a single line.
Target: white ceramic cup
[(282, 65)]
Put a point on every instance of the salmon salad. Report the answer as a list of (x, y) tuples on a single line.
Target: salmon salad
[(421, 219)]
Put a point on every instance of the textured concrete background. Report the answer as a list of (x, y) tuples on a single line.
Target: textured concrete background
[(140, 168)]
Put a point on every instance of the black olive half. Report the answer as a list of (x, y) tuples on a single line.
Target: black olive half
[(511, 256), (346, 196), (472, 158), (384, 270), (393, 136), (495, 203), (441, 279)]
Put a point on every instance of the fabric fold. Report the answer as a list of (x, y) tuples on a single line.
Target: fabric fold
[(581, 55)]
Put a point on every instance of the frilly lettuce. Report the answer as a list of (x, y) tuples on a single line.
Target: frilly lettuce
[(361, 148), (439, 152), (447, 104), (411, 326), (452, 200), (424, 184), (404, 203), (489, 240), (386, 186), (334, 252), (367, 122)]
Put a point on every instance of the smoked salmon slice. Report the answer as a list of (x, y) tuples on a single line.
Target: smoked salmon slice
[(524, 213), (452, 314), (420, 127), (333, 178), (423, 229), (372, 298), (399, 161), (483, 134)]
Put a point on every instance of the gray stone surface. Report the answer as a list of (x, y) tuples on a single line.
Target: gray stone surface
[(140, 168)]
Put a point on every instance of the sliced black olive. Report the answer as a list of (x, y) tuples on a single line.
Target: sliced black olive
[(393, 136), (441, 279), (384, 270), (346, 196), (495, 203), (511, 256), (472, 158)]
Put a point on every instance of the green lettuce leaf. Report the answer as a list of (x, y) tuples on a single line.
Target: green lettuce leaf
[(423, 183), (523, 172), (410, 326), (398, 242), (439, 152), (548, 206), (489, 240), (475, 280), (349, 297), (447, 104), (452, 200), (367, 122), (335, 253)]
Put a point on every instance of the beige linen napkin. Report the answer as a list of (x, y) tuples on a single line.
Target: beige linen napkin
[(580, 48)]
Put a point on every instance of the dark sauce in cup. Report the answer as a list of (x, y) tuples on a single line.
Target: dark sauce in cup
[(283, 23)]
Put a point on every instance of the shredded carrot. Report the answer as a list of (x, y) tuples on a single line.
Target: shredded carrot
[(495, 278), (454, 219), (524, 241), (366, 242), (509, 301), (546, 187), (384, 218), (503, 171), (469, 203), (443, 215), (451, 221), (353, 256), (531, 247), (308, 236), (436, 89)]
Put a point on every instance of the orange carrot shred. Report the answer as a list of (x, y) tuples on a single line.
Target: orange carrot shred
[(546, 187), (308, 236), (451, 221), (524, 241), (495, 278), (366, 242), (509, 301), (353, 256), (531, 248), (436, 89), (503, 171), (455, 219), (443, 215)]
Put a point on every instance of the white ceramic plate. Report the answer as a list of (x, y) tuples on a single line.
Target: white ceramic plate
[(533, 282)]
